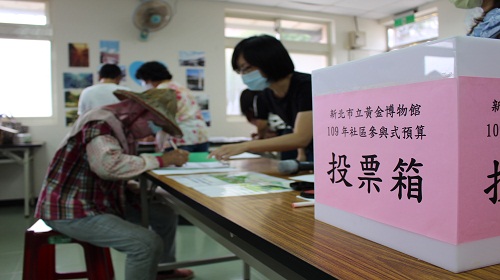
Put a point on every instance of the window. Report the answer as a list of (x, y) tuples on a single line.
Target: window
[(25, 52), (424, 28), (26, 89), (307, 43), (23, 12)]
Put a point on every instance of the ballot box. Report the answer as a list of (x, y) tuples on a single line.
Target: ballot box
[(407, 150)]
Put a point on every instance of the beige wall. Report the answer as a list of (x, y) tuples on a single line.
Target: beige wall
[(196, 25)]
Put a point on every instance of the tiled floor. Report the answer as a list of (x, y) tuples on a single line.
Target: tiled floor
[(70, 257)]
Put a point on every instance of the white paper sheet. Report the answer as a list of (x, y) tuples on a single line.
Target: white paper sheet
[(180, 170), (305, 178), (245, 155)]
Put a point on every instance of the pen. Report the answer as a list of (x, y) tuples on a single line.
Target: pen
[(172, 144), (302, 204)]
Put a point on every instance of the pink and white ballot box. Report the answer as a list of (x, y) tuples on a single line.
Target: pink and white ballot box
[(407, 150)]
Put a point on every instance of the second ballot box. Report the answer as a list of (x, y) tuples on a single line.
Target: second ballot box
[(407, 150)]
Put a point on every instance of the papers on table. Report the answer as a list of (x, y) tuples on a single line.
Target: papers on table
[(233, 183), (244, 155), (227, 140), (305, 178), (200, 157), (199, 162), (203, 156), (194, 168), (305, 198)]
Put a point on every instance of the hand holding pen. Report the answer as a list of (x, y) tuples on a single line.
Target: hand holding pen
[(177, 157), (172, 143)]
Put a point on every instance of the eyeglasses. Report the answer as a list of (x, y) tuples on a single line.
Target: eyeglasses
[(245, 69)]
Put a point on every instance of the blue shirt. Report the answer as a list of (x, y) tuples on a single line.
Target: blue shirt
[(489, 27)]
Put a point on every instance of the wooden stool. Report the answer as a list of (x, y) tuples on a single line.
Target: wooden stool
[(40, 257)]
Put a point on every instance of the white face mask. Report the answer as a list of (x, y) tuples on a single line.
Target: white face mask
[(467, 4), (254, 80)]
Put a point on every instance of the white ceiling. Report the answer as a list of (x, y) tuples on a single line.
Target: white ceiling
[(371, 9)]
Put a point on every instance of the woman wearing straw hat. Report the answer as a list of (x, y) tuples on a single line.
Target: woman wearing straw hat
[(84, 194)]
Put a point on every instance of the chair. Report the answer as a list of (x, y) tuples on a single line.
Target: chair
[(40, 258)]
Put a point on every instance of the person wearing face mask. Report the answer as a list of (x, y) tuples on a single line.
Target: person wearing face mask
[(86, 193), (265, 65), (487, 24), (154, 74)]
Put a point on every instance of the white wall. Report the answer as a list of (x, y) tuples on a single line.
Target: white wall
[(451, 19), (197, 25)]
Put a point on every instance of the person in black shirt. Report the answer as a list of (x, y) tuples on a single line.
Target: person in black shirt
[(265, 64), (268, 124)]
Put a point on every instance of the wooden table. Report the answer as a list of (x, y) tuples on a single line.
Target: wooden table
[(289, 243), (21, 154)]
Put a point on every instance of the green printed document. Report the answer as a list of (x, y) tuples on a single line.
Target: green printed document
[(198, 162), (233, 183), (193, 157), (200, 157)]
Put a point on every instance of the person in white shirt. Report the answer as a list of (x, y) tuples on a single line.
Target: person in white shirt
[(101, 94)]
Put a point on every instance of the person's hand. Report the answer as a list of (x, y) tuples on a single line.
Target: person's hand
[(226, 151), (176, 157)]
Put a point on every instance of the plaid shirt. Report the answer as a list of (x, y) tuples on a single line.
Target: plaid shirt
[(88, 174)]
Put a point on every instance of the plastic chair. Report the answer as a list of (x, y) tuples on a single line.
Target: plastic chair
[(40, 256)]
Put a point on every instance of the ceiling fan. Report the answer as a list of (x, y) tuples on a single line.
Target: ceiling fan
[(150, 16)]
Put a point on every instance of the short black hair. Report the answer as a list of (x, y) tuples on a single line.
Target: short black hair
[(153, 71), (266, 53), (110, 71)]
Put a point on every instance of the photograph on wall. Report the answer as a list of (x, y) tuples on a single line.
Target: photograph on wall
[(78, 55), (77, 80), (195, 79), (71, 97), (109, 52), (71, 116), (203, 102), (74, 83), (192, 58)]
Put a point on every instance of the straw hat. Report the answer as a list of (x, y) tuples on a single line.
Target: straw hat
[(161, 102)]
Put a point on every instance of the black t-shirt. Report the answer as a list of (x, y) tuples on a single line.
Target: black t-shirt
[(297, 99)]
